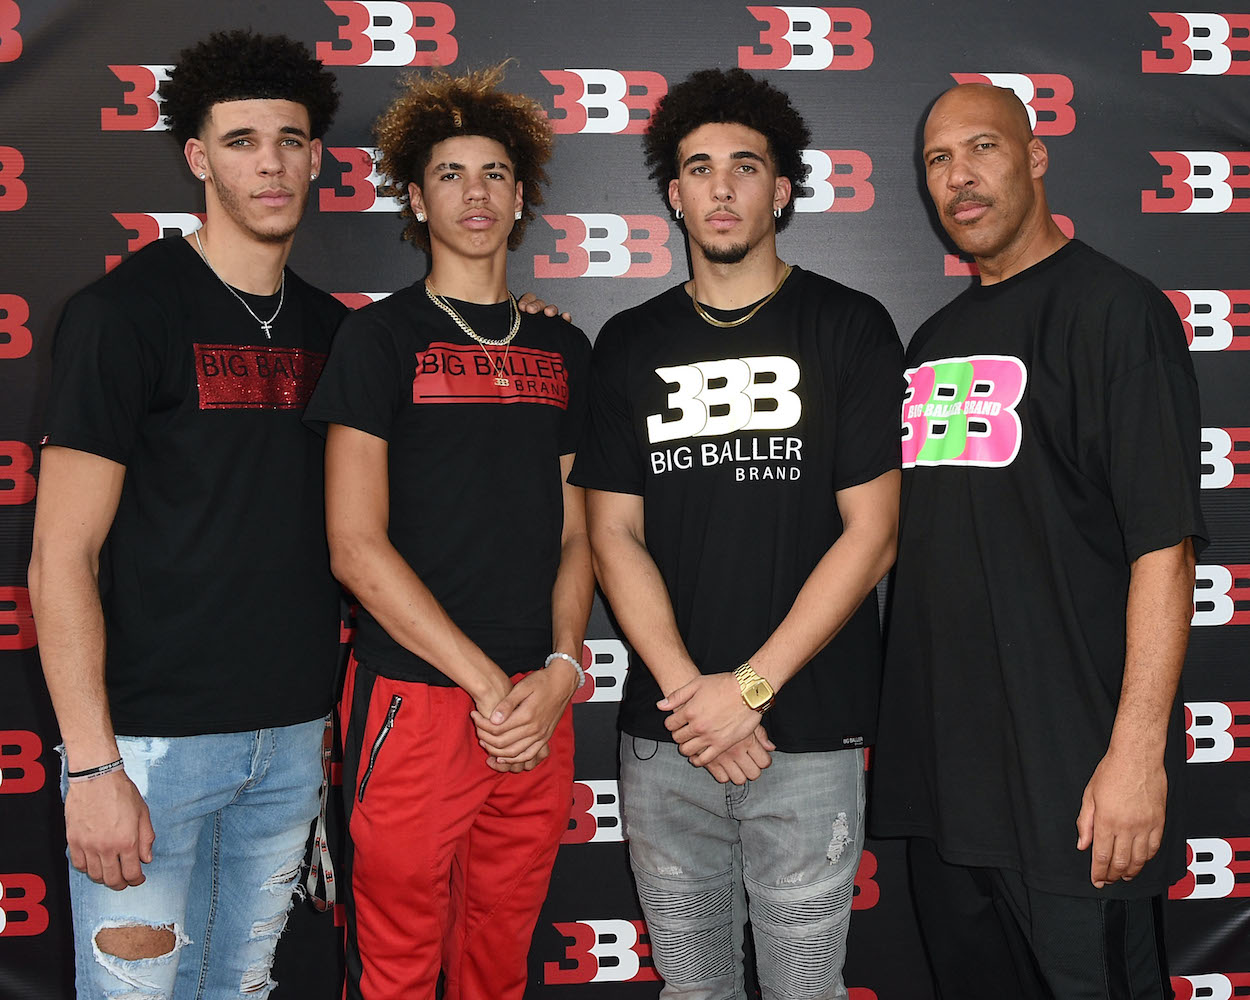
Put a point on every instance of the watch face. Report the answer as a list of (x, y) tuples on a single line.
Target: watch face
[(757, 694)]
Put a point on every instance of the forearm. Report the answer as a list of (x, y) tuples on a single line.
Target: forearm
[(65, 598), (388, 588), (633, 586), (1160, 606), (572, 596)]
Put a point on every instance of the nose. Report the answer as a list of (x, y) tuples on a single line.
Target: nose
[(960, 173), (722, 185), (270, 160), (474, 188)]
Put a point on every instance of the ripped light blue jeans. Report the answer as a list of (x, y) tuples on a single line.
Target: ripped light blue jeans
[(782, 851), (231, 813)]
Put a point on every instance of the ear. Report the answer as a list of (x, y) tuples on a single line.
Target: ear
[(782, 192), (1039, 158), (415, 198), (196, 157), (315, 148), (674, 195)]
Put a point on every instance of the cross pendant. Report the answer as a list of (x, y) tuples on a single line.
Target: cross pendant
[(265, 327)]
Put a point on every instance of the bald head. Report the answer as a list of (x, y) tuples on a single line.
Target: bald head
[(982, 99)]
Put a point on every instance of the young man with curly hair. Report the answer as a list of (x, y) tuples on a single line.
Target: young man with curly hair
[(180, 577), (741, 465), (452, 424)]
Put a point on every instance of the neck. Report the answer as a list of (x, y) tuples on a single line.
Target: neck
[(1034, 246), (483, 280), (243, 261), (731, 286)]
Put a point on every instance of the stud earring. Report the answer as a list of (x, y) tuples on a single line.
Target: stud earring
[(312, 178), (420, 216), (776, 213), (680, 214), (518, 215), (202, 176)]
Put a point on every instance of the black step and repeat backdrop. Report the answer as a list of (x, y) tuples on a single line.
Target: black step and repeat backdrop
[(1146, 114)]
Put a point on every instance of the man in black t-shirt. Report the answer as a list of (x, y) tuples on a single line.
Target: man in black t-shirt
[(452, 425), (188, 620), (742, 474), (1031, 740)]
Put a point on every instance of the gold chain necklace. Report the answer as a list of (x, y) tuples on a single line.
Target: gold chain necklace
[(725, 324), (505, 342)]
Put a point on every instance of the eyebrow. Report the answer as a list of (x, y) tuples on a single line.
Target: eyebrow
[(742, 154), (239, 133), (485, 166)]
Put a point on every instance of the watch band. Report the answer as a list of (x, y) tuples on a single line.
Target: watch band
[(757, 693)]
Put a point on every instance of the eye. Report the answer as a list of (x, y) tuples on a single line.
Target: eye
[(746, 168), (495, 175), (292, 141), (449, 175), (938, 158), (239, 142), (985, 145), (699, 168)]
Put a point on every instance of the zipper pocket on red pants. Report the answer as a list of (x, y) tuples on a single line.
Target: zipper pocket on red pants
[(387, 726)]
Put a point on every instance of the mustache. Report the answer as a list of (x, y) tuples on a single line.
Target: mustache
[(966, 196)]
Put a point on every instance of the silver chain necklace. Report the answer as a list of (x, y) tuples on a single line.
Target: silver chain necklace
[(265, 324)]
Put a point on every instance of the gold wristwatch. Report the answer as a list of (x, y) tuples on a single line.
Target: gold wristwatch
[(757, 693)]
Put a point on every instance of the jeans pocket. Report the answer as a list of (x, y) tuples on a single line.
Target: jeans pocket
[(383, 733)]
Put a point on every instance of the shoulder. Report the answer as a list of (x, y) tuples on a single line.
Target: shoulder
[(650, 318), (555, 333), (141, 294), (387, 317), (844, 310)]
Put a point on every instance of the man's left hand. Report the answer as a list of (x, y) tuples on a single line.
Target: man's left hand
[(1121, 817), (531, 303), (708, 716), (520, 725)]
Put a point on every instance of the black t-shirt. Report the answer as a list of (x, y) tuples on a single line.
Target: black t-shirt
[(737, 440), (475, 488), (221, 612), (1051, 437)]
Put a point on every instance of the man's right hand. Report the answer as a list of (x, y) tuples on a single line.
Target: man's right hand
[(744, 761), (109, 831)]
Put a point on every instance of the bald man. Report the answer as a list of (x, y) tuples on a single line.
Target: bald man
[(1031, 737)]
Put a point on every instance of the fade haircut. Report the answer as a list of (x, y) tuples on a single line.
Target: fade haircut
[(244, 66), (710, 96), (439, 106)]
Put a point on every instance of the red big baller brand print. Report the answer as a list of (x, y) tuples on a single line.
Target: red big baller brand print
[(455, 373), (234, 377)]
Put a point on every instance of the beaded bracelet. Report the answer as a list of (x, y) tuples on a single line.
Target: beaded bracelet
[(93, 772), (581, 674)]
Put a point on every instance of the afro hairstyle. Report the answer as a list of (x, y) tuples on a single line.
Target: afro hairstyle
[(439, 106), (242, 66), (710, 96)]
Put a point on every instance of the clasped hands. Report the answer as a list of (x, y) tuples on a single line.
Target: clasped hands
[(714, 728), (515, 721)]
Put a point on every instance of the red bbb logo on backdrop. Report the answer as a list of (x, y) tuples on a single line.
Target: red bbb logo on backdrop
[(391, 33), (17, 484), (1201, 45), (1217, 732), (1046, 96), (17, 621), (1211, 986), (837, 182), (13, 191), (354, 300), (15, 338), (20, 770), (956, 265), (1221, 595), (604, 100), (1200, 181), (596, 816), (22, 913), (10, 38), (1226, 452), (145, 82), (360, 179), (150, 226), (1215, 319), (605, 663), (599, 245), (1218, 869), (603, 951), (806, 38)]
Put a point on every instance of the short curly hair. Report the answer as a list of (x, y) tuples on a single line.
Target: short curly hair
[(243, 66), (713, 95), (439, 106)]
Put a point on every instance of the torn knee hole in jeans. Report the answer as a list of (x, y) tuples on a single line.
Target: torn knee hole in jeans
[(256, 981), (284, 879), (136, 941), (841, 836)]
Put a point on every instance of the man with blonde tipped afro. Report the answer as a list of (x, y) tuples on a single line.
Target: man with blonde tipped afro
[(451, 420)]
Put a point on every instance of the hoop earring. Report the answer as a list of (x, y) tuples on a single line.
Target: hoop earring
[(776, 213), (680, 214)]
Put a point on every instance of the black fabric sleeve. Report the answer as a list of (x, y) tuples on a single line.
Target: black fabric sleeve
[(1154, 429), (577, 358), (104, 375), (870, 393), (609, 458), (362, 382)]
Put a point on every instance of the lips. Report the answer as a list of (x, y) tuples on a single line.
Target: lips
[(968, 208), (477, 220), (722, 220), (275, 198)]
